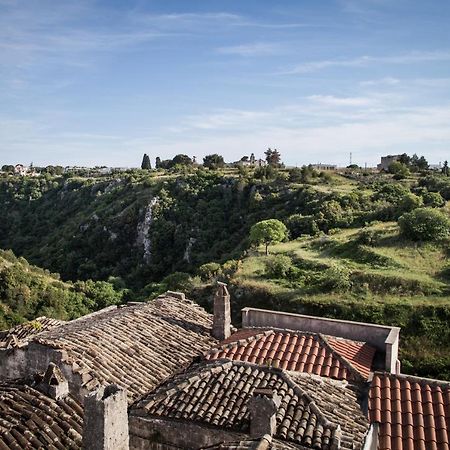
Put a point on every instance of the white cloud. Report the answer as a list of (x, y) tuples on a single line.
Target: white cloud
[(254, 49), (330, 100), (391, 81), (408, 58)]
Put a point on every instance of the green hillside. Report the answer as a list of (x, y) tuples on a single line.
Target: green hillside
[(141, 232), (28, 291), (389, 281)]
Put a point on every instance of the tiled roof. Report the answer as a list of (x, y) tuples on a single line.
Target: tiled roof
[(17, 335), (264, 443), (340, 401), (413, 413), (299, 351), (31, 420), (216, 393), (135, 346)]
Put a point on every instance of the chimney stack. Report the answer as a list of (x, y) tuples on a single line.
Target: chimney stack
[(106, 419), (53, 383), (263, 407), (222, 313)]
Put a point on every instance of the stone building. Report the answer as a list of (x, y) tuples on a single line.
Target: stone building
[(324, 167), (386, 161), (167, 375)]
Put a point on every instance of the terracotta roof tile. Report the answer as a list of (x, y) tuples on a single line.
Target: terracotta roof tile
[(135, 346), (299, 351), (19, 334), (412, 412), (216, 393), (31, 420)]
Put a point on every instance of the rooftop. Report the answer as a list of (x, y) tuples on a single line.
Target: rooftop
[(299, 351), (216, 393), (19, 334), (31, 420), (136, 346), (413, 413)]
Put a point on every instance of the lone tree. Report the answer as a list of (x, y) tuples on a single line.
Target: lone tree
[(146, 162), (273, 157), (268, 232), (214, 161)]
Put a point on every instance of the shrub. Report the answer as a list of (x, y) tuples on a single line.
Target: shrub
[(178, 281), (298, 224), (425, 224), (399, 170), (278, 266), (392, 193), (433, 199), (209, 271), (367, 237), (336, 279), (410, 202), (230, 267)]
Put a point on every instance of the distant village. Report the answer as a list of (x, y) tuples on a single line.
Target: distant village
[(272, 157)]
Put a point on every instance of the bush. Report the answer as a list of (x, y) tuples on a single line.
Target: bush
[(367, 237), (230, 267), (410, 202), (399, 170), (209, 271), (425, 224), (336, 279), (278, 266), (298, 224), (433, 199), (178, 281)]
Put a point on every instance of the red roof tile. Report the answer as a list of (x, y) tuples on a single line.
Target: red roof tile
[(414, 413), (299, 351)]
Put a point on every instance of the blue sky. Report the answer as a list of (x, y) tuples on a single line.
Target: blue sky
[(102, 82)]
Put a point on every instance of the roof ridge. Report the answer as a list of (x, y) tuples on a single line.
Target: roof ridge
[(413, 378), (206, 368), (343, 359), (238, 342), (226, 363)]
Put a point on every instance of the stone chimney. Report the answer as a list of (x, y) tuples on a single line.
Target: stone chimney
[(54, 383), (106, 419), (222, 313), (263, 407)]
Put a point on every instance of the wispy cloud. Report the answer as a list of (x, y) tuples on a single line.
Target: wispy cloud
[(330, 100), (390, 81), (254, 49), (361, 61)]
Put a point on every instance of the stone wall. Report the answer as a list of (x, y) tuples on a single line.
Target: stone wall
[(24, 362), (148, 433)]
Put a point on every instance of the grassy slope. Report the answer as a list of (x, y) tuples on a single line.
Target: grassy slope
[(414, 296)]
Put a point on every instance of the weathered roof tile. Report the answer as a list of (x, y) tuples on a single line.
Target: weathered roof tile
[(217, 392), (134, 346), (31, 420)]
